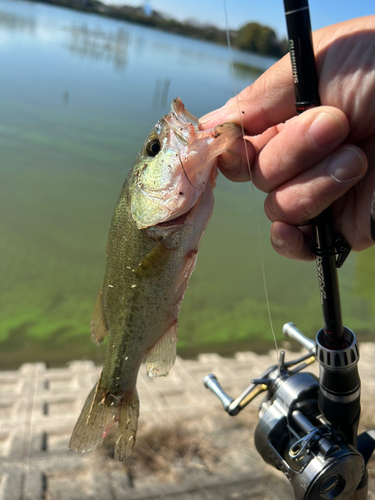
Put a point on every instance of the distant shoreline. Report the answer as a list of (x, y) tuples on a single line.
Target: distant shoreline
[(154, 19)]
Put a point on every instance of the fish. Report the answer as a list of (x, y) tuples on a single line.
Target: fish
[(161, 214)]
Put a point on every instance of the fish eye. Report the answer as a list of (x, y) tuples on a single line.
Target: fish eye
[(153, 147)]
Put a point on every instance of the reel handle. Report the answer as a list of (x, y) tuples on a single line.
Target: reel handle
[(234, 406), (211, 382), (291, 331)]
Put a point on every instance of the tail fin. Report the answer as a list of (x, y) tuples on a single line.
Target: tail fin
[(127, 416), (99, 412)]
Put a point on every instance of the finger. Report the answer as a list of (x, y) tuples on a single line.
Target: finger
[(259, 141), (235, 163), (299, 144), (351, 213), (291, 241), (268, 101), (309, 193), (286, 149)]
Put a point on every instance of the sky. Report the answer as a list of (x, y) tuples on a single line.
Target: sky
[(270, 13)]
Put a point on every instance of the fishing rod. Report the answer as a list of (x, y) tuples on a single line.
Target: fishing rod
[(329, 248), (307, 425), (306, 89)]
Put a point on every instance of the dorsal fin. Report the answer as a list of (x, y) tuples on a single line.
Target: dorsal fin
[(160, 359), (98, 326)]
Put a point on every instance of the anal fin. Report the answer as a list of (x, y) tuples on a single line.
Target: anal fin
[(160, 359)]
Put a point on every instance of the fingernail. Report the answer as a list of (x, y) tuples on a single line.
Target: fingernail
[(210, 116), (346, 164), (326, 129), (276, 239), (230, 159)]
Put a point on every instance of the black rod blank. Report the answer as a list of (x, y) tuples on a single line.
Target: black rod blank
[(306, 89)]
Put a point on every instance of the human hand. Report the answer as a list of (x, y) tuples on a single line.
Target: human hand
[(323, 157)]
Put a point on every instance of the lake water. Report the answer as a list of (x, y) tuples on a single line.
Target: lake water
[(78, 95)]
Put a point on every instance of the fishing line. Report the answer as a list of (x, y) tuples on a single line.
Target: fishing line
[(257, 218), (185, 172), (252, 185)]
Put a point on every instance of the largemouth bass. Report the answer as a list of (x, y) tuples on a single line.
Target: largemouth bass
[(159, 220)]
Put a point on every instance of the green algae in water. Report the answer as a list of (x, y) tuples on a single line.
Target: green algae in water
[(62, 167)]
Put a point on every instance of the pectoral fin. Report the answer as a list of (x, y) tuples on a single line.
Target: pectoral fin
[(154, 262), (98, 327), (160, 359)]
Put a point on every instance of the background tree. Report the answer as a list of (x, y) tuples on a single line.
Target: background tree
[(259, 39)]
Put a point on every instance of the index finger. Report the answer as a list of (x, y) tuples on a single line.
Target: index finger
[(268, 101), (341, 51)]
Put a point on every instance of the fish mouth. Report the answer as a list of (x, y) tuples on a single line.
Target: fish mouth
[(197, 148), (181, 113), (183, 124), (170, 185)]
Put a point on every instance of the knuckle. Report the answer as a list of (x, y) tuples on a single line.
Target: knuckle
[(296, 210), (269, 209), (306, 208)]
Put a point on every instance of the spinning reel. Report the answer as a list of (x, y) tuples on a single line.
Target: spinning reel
[(322, 458)]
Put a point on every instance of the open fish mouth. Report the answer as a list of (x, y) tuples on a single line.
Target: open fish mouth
[(183, 124), (179, 111), (208, 144), (177, 163)]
